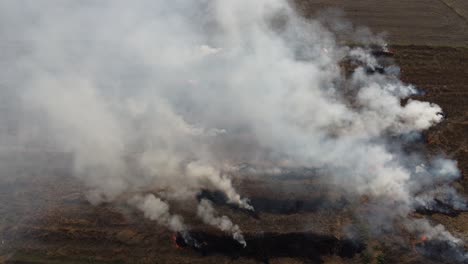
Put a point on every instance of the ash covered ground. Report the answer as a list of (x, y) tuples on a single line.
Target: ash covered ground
[(56, 211)]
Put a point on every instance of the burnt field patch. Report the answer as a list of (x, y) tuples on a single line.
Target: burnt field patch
[(277, 205), (98, 235), (157, 108), (265, 246)]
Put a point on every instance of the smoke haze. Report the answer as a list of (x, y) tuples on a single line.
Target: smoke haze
[(170, 97)]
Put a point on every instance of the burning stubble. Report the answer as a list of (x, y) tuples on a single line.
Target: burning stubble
[(176, 95)]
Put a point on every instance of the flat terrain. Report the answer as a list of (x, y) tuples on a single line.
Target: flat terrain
[(416, 22), (55, 224)]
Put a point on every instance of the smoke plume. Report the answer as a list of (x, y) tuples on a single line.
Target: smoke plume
[(170, 97), (157, 210), (207, 213)]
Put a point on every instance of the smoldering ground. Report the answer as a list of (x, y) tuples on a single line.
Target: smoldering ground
[(172, 97)]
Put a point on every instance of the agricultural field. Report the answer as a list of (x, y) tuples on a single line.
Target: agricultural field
[(420, 22), (298, 219)]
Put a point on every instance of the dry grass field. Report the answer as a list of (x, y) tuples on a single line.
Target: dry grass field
[(417, 22), (57, 225)]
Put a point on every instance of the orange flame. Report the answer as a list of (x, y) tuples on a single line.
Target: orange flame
[(174, 239)]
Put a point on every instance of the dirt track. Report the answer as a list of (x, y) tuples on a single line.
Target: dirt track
[(458, 6)]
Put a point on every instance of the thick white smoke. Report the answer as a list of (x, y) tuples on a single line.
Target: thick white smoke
[(174, 95), (157, 210), (207, 213)]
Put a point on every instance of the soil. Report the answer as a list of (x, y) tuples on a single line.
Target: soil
[(55, 224)]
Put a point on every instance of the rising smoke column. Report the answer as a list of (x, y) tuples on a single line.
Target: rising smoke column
[(158, 210), (173, 95), (207, 213)]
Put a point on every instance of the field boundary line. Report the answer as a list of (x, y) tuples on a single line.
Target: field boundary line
[(454, 10)]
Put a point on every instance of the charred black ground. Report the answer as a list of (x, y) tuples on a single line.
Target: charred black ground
[(266, 246), (48, 220)]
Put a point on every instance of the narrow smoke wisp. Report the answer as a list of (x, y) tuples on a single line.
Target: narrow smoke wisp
[(207, 213), (158, 210)]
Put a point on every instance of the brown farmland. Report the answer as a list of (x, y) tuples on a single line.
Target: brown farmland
[(57, 225)]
